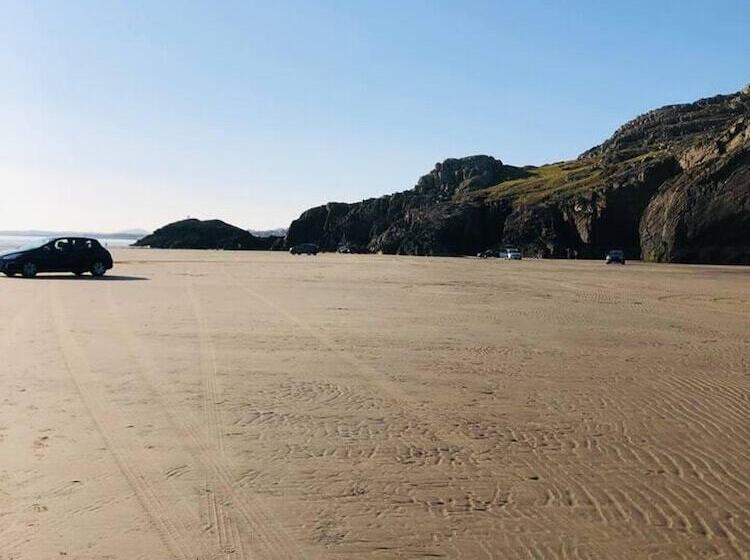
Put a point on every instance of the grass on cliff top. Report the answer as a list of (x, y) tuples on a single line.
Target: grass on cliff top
[(543, 183)]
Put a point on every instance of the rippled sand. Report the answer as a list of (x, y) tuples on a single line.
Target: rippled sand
[(207, 405)]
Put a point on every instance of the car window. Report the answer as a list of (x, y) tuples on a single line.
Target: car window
[(35, 245), (62, 245)]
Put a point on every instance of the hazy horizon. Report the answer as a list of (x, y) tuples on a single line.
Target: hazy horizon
[(132, 116)]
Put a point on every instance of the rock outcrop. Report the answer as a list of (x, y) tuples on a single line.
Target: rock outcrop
[(208, 234), (703, 215), (671, 185)]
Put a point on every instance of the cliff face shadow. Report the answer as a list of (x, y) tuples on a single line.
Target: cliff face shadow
[(106, 278)]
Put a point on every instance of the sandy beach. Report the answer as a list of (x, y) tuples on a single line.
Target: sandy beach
[(214, 405)]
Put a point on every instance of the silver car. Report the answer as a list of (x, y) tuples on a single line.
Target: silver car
[(512, 254)]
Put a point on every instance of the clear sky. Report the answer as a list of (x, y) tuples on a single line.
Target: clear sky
[(132, 114)]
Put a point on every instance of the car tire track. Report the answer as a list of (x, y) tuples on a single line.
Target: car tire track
[(261, 530), (180, 542), (208, 367)]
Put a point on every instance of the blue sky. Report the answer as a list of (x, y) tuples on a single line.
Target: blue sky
[(134, 114)]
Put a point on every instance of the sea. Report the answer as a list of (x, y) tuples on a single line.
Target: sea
[(11, 242)]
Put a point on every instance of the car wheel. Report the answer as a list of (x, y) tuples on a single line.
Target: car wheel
[(98, 268), (29, 270), (9, 274)]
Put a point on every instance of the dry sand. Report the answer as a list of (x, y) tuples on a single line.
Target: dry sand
[(209, 405)]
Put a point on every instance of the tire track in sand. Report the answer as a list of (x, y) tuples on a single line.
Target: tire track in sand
[(179, 540), (18, 320), (369, 374), (214, 423), (261, 531), (219, 521)]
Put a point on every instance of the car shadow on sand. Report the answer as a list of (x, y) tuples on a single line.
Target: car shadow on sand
[(107, 278)]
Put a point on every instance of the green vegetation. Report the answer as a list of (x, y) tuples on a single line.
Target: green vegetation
[(534, 185), (543, 183)]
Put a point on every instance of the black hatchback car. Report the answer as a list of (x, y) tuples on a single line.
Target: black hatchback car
[(305, 249), (63, 254), (615, 256)]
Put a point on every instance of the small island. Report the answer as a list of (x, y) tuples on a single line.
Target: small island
[(206, 234)]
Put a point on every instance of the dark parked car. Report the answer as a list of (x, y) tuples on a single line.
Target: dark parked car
[(305, 249), (63, 254), (489, 254), (615, 256), (349, 249)]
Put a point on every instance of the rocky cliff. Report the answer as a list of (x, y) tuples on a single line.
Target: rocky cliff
[(671, 185), (208, 234)]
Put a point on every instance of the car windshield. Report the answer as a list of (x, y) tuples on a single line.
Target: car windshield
[(35, 244)]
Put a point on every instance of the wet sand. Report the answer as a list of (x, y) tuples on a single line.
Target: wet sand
[(209, 405)]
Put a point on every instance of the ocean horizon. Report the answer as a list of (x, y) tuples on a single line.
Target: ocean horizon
[(10, 242)]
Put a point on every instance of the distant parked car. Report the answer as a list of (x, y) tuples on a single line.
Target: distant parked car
[(63, 254), (348, 248), (615, 256), (513, 254), (305, 249), (489, 254)]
